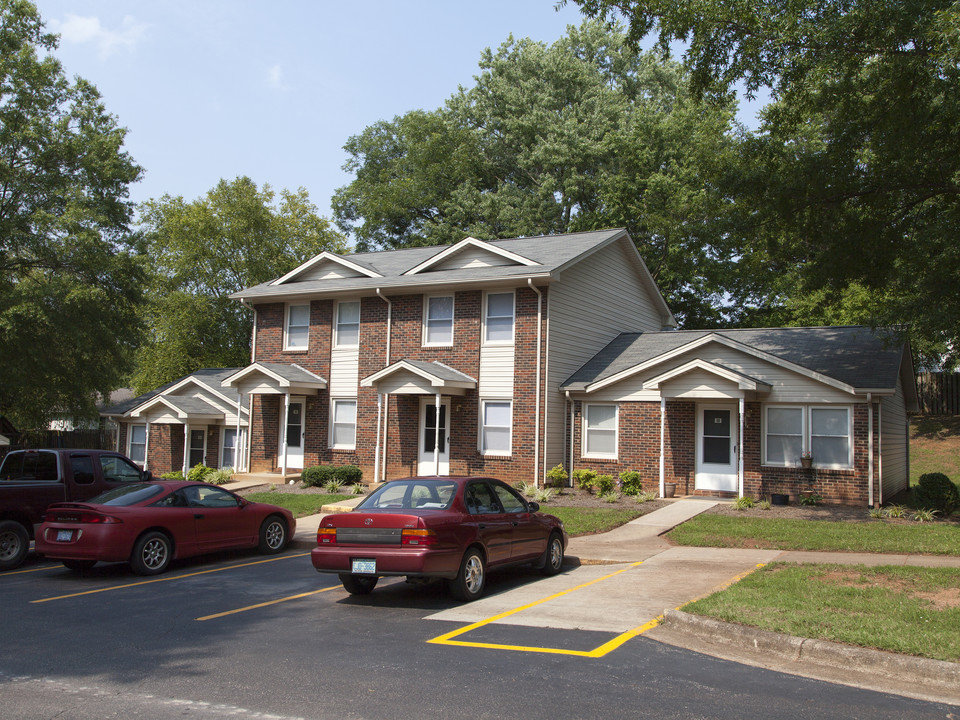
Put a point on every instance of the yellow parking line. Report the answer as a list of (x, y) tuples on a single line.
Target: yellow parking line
[(167, 578), (32, 570), (265, 604)]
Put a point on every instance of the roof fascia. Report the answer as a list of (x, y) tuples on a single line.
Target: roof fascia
[(255, 367), (144, 406), (202, 386), (317, 259), (468, 242), (743, 382), (434, 380)]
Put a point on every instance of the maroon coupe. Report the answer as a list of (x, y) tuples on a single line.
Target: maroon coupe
[(150, 524), (438, 527)]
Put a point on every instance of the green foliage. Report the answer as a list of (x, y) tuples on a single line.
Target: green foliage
[(70, 278), (630, 482), (936, 491), (924, 515), (317, 475), (585, 479), (764, 505), (221, 476), (234, 237), (348, 474), (744, 503), (333, 485), (604, 484), (199, 473), (645, 496), (877, 513), (895, 511), (810, 499), (610, 497), (557, 476), (173, 475), (543, 495), (526, 489)]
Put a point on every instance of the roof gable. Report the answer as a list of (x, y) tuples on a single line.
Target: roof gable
[(327, 266), (471, 253)]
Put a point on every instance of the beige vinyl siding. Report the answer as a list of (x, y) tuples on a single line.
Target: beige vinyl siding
[(328, 270), (590, 304), (344, 372), (700, 384), (228, 409), (894, 443), (496, 372), (472, 257)]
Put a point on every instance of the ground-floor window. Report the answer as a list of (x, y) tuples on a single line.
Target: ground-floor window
[(138, 444), (198, 447), (824, 432), (344, 425), (228, 448), (599, 430), (497, 427)]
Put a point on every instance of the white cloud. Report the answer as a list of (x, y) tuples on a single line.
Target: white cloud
[(275, 77), (77, 29)]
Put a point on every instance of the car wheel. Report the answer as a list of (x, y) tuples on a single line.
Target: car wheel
[(554, 555), (14, 544), (468, 585), (273, 535), (358, 584), (152, 554), (78, 565)]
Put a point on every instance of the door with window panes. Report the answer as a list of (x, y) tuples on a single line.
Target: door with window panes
[(434, 463), (197, 447), (717, 429)]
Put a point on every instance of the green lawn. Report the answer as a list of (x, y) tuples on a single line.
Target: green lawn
[(914, 611), (580, 521), (709, 530), (300, 504)]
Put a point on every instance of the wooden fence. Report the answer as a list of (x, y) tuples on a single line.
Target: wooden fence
[(939, 393)]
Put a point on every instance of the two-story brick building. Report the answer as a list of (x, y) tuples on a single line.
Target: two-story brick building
[(509, 357)]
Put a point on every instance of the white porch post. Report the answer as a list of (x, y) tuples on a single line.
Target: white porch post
[(376, 454), (740, 451), (237, 452), (146, 447), (248, 445), (436, 439), (283, 430), (663, 425), (186, 449), (870, 450)]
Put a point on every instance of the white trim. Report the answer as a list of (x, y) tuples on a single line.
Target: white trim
[(281, 381), (236, 446), (425, 341), (189, 444), (336, 323), (286, 327), (483, 428), (191, 379), (129, 453), (467, 383), (465, 243), (513, 318), (584, 453), (333, 415), (806, 434), (744, 382), (317, 259)]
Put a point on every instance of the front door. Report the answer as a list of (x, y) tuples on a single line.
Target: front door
[(434, 463), (716, 448), (292, 425)]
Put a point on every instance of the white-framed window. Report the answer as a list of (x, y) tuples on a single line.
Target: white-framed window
[(496, 427), (137, 450), (498, 311), (343, 424), (198, 447), (824, 431), (296, 334), (228, 447), (599, 430), (438, 321), (347, 328)]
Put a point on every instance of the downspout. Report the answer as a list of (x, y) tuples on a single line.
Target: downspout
[(572, 420), (536, 423), (382, 441), (870, 449)]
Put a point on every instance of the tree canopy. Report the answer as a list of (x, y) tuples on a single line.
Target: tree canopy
[(850, 190), (70, 283), (578, 135), (235, 237)]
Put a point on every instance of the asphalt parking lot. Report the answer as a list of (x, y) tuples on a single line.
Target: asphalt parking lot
[(243, 635)]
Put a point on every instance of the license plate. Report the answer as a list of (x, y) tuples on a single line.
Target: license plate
[(364, 567), (64, 535)]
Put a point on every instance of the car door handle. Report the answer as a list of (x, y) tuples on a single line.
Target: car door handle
[(198, 517), (515, 524), (482, 526)]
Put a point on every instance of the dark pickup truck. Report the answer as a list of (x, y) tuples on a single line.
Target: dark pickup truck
[(32, 480)]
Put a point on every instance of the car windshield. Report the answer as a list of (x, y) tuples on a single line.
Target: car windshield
[(411, 495), (127, 495)]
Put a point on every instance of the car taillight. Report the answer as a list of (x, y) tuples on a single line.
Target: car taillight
[(412, 536), (85, 518), (326, 536)]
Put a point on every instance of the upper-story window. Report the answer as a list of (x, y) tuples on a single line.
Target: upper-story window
[(347, 330), (498, 318), (438, 321), (297, 335)]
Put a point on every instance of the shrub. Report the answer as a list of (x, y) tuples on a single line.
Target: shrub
[(764, 505), (936, 492), (645, 496), (317, 476), (630, 482), (557, 476), (895, 511), (221, 476), (526, 489), (175, 475), (610, 497), (333, 486), (585, 479), (877, 513), (199, 473), (542, 495), (811, 499), (348, 474), (604, 484), (744, 503), (924, 515)]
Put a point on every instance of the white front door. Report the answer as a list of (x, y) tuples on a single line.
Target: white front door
[(292, 427), (717, 448), (434, 458)]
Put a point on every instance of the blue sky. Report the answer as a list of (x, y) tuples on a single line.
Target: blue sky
[(212, 89)]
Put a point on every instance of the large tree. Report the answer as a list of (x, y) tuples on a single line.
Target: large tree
[(69, 284), (235, 237), (578, 135), (851, 189)]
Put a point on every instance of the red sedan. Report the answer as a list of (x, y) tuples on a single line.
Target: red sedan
[(438, 527), (150, 524)]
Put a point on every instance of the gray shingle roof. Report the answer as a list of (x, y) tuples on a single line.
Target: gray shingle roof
[(855, 355), (210, 377)]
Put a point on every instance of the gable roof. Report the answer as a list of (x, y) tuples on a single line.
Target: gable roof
[(209, 378), (853, 358)]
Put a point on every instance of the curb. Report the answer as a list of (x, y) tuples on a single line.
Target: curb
[(931, 679)]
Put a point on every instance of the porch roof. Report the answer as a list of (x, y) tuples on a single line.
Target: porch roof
[(742, 381), (419, 377), (183, 408), (275, 378)]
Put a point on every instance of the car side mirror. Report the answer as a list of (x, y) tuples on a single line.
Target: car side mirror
[(533, 506), (243, 503), (147, 476)]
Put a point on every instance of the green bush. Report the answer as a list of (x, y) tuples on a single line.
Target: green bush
[(174, 475), (935, 491), (317, 475), (199, 473), (557, 476), (221, 476), (348, 474), (604, 484), (585, 479), (630, 482), (744, 503), (333, 486)]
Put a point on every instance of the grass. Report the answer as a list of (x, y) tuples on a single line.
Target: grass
[(783, 534), (914, 611), (581, 521), (934, 446), (300, 505)]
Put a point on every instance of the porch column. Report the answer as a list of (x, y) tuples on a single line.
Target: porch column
[(436, 439), (146, 448), (386, 425), (186, 449), (376, 454), (870, 450), (248, 445), (236, 443), (663, 425), (740, 451), (283, 430)]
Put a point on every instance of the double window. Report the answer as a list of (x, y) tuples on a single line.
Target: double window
[(347, 329), (600, 430), (825, 432), (343, 426), (496, 428), (498, 319), (297, 328), (438, 321)]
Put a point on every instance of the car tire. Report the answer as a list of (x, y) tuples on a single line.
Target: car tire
[(553, 555), (78, 566), (470, 581), (358, 584), (151, 554), (273, 535), (14, 544)]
